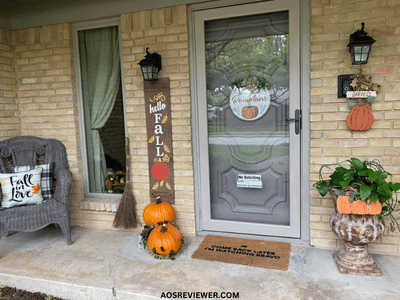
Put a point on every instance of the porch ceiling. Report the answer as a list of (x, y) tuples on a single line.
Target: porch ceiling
[(19, 7), (20, 14)]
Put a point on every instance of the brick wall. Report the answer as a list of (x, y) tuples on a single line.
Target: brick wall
[(166, 32), (37, 84), (46, 94), (331, 141), (9, 114)]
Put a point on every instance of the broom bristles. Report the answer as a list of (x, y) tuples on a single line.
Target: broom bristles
[(126, 213)]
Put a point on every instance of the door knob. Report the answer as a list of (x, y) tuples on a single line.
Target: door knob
[(297, 120)]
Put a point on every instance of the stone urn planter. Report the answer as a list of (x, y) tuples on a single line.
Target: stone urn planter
[(363, 197), (357, 231)]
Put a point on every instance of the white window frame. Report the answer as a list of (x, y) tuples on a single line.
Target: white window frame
[(75, 29)]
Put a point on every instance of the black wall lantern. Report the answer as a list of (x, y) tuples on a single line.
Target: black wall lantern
[(360, 46), (150, 65)]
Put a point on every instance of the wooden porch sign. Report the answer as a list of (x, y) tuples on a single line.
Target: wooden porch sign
[(159, 139)]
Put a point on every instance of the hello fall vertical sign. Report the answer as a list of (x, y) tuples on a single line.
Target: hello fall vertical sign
[(159, 139)]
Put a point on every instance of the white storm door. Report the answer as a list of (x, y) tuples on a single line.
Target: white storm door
[(247, 91)]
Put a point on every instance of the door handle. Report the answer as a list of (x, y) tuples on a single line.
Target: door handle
[(297, 120)]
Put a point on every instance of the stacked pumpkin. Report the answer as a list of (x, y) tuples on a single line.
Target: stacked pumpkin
[(163, 238)]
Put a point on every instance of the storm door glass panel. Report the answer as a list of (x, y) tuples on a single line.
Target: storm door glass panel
[(247, 79)]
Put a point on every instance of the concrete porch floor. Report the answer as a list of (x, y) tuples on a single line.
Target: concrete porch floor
[(105, 264)]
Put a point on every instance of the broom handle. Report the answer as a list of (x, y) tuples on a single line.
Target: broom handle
[(128, 160)]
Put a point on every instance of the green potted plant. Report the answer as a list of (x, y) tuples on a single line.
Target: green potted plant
[(363, 197), (365, 181)]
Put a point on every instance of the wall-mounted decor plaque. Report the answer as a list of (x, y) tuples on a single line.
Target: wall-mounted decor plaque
[(159, 139)]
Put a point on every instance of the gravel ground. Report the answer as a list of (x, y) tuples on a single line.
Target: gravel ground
[(9, 293)]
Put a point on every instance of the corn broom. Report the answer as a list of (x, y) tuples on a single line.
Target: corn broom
[(126, 213)]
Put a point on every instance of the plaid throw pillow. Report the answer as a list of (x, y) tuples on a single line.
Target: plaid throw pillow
[(46, 181)]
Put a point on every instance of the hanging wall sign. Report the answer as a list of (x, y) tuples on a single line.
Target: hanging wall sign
[(360, 94), (159, 139), (249, 104)]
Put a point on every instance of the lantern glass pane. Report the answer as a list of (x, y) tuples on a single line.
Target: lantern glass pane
[(357, 49), (146, 69), (364, 57), (357, 57), (155, 72), (365, 49)]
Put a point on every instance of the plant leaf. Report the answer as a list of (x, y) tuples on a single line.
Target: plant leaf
[(344, 183), (365, 191), (384, 190), (322, 188), (396, 187), (374, 198), (352, 197), (356, 163), (373, 175), (384, 175), (362, 173)]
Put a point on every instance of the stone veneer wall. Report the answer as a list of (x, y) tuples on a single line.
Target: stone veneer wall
[(331, 141), (9, 113), (166, 32)]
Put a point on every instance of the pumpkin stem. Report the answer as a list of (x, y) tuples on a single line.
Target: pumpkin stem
[(158, 200), (164, 229)]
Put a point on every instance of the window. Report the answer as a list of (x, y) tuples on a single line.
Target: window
[(102, 109)]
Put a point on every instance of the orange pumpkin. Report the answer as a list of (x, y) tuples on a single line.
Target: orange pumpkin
[(375, 208), (249, 112), (360, 117), (343, 205), (165, 239), (158, 212), (357, 207)]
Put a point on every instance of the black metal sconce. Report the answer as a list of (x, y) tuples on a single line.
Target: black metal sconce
[(360, 46), (151, 65)]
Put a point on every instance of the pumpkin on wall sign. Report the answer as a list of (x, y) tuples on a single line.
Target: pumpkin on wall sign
[(364, 93)]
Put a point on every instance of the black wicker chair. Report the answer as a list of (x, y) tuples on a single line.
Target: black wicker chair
[(32, 151)]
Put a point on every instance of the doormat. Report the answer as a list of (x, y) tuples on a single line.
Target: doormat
[(272, 255)]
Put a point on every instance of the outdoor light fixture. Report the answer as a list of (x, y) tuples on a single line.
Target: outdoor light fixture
[(360, 46), (151, 65)]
